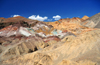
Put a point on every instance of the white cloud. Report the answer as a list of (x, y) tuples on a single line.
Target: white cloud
[(78, 16), (49, 19), (34, 17), (15, 15), (57, 17)]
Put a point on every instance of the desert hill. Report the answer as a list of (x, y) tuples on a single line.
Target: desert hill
[(69, 41), (85, 17)]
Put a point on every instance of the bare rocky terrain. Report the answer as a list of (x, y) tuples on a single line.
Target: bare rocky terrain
[(74, 41)]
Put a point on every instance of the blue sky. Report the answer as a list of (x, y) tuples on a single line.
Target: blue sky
[(49, 10)]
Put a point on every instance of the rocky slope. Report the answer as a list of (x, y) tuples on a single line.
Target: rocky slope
[(63, 42), (73, 25), (83, 50), (93, 21)]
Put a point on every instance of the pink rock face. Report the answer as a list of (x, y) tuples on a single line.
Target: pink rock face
[(24, 31), (74, 19), (14, 30), (64, 31), (4, 31), (51, 38), (10, 31)]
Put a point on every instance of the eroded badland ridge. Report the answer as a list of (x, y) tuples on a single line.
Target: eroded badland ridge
[(74, 41)]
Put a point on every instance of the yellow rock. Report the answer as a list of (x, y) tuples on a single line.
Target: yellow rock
[(85, 17)]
